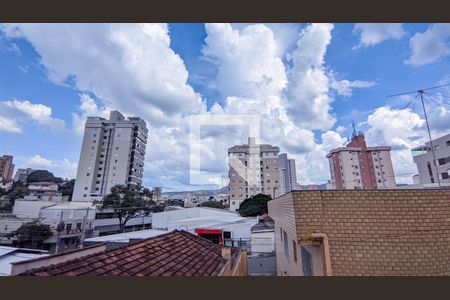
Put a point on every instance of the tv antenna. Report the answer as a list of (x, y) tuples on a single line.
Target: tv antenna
[(435, 100)]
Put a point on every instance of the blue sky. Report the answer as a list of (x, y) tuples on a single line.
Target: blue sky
[(306, 82)]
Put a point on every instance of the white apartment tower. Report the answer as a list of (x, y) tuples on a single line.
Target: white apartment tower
[(288, 174), (253, 169), (112, 153), (423, 158)]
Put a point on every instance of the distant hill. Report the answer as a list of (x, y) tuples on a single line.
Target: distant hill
[(223, 190)]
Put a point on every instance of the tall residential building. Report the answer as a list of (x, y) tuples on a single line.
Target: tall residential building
[(360, 167), (288, 175), (423, 158), (22, 174), (253, 170), (6, 168), (112, 153)]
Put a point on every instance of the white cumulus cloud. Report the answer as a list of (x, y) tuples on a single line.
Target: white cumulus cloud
[(371, 34), (13, 113), (429, 46)]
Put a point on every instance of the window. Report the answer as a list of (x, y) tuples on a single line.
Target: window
[(69, 226), (286, 245), (85, 188), (445, 175), (88, 174), (79, 226), (306, 262), (84, 195), (227, 234), (294, 247), (281, 234)]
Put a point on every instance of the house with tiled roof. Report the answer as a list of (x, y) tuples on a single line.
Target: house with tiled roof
[(362, 232), (177, 253)]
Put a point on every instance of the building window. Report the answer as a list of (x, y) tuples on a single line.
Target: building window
[(286, 245), (281, 234), (85, 188), (69, 226), (445, 175), (88, 174), (306, 262), (78, 226), (294, 247)]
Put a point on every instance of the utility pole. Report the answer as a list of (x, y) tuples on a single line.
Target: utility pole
[(429, 135), (83, 232)]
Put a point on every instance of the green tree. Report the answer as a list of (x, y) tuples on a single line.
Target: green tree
[(254, 206), (43, 175), (32, 234), (213, 204), (66, 188), (18, 190), (127, 204)]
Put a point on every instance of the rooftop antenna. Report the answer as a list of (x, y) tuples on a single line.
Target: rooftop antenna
[(354, 130), (420, 93)]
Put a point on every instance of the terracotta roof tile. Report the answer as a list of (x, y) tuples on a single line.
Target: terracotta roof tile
[(177, 253)]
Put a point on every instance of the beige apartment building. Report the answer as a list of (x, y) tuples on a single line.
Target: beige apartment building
[(357, 166), (112, 153), (253, 169), (362, 232)]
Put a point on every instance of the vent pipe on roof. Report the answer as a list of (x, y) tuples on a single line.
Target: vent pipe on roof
[(326, 249)]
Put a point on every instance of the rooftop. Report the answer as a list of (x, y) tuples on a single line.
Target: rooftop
[(177, 253)]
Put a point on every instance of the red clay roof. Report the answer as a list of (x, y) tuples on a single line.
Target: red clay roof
[(177, 253)]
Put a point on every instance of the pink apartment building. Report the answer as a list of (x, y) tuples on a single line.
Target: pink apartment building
[(357, 166)]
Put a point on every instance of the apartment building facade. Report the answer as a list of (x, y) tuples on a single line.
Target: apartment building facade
[(112, 153), (288, 174), (6, 168), (253, 169), (423, 158), (357, 166), (390, 232), (22, 174)]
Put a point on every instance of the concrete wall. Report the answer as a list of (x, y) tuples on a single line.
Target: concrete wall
[(263, 241), (29, 209)]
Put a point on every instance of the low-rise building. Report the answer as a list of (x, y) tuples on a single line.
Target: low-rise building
[(44, 191), (362, 232), (177, 253), (423, 158), (9, 255), (263, 235)]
